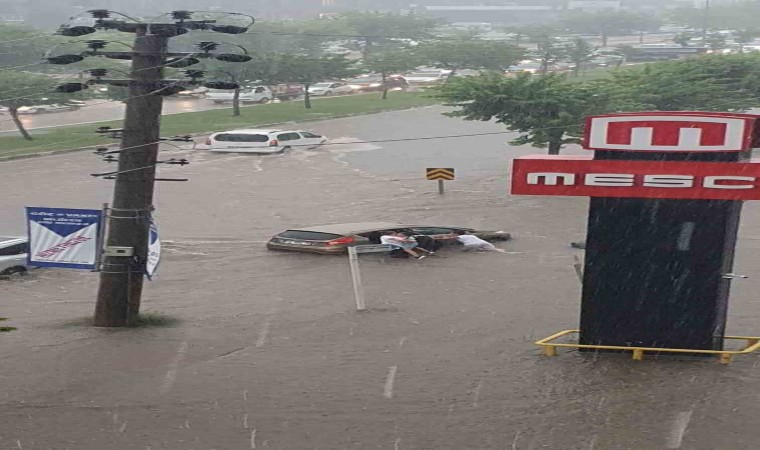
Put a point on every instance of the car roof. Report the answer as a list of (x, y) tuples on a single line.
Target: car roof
[(349, 228), (14, 240), (251, 131)]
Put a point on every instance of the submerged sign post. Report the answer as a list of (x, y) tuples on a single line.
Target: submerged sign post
[(441, 174), (666, 192), (60, 237)]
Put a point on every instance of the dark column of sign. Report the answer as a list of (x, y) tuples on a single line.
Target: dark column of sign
[(654, 268)]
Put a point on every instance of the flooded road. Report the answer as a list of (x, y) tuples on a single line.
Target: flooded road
[(268, 353)]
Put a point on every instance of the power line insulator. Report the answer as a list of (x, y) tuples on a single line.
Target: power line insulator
[(100, 13), (182, 15), (207, 46), (233, 57), (229, 29), (64, 59), (96, 44), (76, 31)]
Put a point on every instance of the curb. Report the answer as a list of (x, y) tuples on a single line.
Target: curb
[(203, 133)]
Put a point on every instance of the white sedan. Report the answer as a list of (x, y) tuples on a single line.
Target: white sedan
[(330, 88), (261, 141)]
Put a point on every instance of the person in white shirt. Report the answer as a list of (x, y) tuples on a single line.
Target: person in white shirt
[(474, 243), (399, 241)]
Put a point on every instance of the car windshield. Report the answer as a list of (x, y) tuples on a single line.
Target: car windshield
[(372, 79), (322, 85)]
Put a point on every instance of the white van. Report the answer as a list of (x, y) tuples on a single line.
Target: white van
[(262, 141), (13, 255), (256, 94)]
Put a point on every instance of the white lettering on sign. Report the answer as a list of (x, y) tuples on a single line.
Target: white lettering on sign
[(668, 132), (718, 182), (668, 181), (629, 180), (609, 179), (551, 178)]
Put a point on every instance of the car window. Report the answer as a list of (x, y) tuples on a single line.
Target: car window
[(306, 134), (259, 90), (14, 250), (308, 235), (289, 137), (240, 137)]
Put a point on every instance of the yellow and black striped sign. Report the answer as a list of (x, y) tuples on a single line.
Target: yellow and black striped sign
[(440, 173)]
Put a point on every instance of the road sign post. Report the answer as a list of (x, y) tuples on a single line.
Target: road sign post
[(666, 194), (441, 174)]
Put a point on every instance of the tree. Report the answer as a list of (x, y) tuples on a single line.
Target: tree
[(744, 37), (715, 41), (547, 111), (611, 23), (27, 89), (264, 68), (683, 39), (372, 29), (548, 50), (389, 61), (469, 53), (579, 52), (307, 70)]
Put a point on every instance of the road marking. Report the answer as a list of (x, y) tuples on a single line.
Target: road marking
[(477, 394), (245, 395), (171, 374), (123, 427), (678, 429), (263, 335), (388, 391), (401, 342), (253, 439), (514, 442), (397, 444), (592, 444), (245, 421)]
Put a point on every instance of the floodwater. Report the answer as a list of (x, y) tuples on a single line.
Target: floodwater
[(268, 352)]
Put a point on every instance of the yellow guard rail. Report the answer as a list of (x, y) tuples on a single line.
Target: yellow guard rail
[(550, 347)]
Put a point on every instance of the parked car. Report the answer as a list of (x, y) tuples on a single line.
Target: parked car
[(335, 239), (374, 83), (287, 91), (13, 255), (261, 141), (72, 105), (427, 77), (330, 88), (256, 94)]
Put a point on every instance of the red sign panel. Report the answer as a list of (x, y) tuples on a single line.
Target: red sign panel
[(584, 177), (670, 132)]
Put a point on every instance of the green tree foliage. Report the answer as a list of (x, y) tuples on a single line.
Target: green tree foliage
[(389, 61), (19, 89), (469, 53), (579, 52), (548, 111), (611, 23), (307, 70)]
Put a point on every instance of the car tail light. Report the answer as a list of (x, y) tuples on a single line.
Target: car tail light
[(341, 241), (274, 143), (208, 141)]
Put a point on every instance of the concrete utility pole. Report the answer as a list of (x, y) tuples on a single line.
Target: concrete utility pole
[(121, 281), (705, 14)]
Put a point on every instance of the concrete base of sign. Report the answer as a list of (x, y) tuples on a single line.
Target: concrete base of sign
[(550, 347)]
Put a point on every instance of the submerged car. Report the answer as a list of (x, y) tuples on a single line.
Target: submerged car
[(261, 141), (13, 255), (335, 239)]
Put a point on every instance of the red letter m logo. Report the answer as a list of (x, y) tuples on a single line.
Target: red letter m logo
[(669, 132)]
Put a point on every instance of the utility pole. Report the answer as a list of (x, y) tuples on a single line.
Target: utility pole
[(121, 280), (125, 255)]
